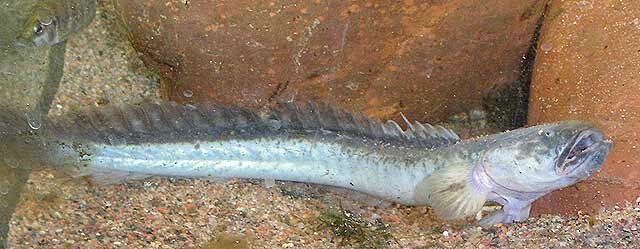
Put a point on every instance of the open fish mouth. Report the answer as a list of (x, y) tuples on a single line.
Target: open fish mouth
[(586, 153)]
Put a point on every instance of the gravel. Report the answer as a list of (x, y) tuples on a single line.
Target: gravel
[(57, 212)]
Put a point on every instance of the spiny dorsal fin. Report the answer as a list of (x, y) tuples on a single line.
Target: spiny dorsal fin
[(409, 125), (323, 116), (149, 121)]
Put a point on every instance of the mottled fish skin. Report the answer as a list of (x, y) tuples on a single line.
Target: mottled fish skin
[(53, 21), (316, 143)]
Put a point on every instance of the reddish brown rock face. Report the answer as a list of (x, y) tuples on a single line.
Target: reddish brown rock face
[(588, 67), (424, 58)]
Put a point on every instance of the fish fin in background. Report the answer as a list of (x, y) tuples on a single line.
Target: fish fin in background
[(18, 159), (12, 180), (323, 116), (451, 193), (12, 123), (54, 75)]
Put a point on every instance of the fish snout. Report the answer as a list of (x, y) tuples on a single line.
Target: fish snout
[(585, 153)]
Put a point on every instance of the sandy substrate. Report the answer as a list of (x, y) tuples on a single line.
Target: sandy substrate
[(59, 212), (182, 213), (101, 67)]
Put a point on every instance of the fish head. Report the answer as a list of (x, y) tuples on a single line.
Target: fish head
[(544, 158), (38, 29)]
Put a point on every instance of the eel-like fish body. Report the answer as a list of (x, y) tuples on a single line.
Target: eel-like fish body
[(316, 143)]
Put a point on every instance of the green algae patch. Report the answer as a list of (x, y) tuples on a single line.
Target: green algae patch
[(350, 229), (228, 241)]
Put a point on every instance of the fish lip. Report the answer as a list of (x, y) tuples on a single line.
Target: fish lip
[(597, 143), (596, 148)]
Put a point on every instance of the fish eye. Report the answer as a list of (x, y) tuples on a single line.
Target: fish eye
[(38, 29)]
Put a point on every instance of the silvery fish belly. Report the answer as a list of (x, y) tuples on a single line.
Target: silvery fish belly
[(316, 143), (53, 21)]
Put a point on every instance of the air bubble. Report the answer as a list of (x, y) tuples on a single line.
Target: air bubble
[(34, 120), (269, 182), (187, 93)]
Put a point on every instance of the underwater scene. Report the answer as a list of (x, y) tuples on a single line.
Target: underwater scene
[(319, 124)]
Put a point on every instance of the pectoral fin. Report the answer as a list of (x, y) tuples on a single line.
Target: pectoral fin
[(451, 192), (513, 211)]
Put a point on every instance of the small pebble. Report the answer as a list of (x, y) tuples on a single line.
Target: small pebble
[(288, 245), (163, 210)]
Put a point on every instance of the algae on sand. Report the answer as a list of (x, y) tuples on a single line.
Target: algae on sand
[(352, 230), (228, 241)]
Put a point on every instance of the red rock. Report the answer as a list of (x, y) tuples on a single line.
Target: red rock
[(424, 58), (591, 72)]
